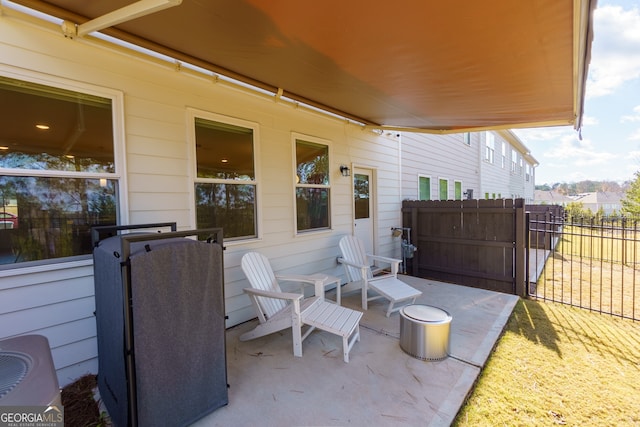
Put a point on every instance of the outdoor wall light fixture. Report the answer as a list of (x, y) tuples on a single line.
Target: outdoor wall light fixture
[(344, 170)]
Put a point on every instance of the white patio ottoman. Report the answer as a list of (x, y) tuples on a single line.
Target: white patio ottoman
[(425, 331)]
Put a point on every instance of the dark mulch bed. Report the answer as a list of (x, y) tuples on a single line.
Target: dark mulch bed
[(80, 407)]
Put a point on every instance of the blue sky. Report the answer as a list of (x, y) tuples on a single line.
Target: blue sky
[(610, 145)]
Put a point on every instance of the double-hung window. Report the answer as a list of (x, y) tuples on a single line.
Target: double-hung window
[(313, 192), (490, 147), (58, 169), (521, 165), (225, 182)]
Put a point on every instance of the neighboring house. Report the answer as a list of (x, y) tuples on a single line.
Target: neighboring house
[(544, 197), (608, 201), (135, 140), (507, 168), (478, 165)]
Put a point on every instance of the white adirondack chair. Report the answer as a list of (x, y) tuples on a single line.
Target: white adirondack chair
[(357, 265), (279, 310)]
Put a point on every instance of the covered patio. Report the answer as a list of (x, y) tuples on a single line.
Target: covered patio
[(381, 385), (420, 67)]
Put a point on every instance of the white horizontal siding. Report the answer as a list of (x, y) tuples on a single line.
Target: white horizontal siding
[(58, 302), (69, 374), (35, 319), (439, 156)]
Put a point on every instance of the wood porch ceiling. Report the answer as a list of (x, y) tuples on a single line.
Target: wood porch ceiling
[(426, 65)]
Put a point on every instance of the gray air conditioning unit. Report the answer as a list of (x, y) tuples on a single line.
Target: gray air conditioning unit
[(27, 374)]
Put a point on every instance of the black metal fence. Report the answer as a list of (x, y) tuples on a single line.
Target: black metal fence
[(587, 262)]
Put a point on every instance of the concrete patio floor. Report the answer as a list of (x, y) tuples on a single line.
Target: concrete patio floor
[(380, 386)]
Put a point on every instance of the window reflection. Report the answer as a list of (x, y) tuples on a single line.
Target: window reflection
[(312, 206), (230, 206), (224, 151), (361, 195), (78, 136), (313, 163), (58, 165), (53, 216)]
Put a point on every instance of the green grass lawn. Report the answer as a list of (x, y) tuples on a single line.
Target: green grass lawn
[(559, 365)]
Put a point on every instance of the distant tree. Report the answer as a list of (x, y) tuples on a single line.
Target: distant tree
[(631, 202), (585, 187), (576, 210), (610, 186), (562, 188)]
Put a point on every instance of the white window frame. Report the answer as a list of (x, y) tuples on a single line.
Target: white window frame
[(430, 186), (520, 162), (490, 147), (461, 190), (440, 179), (119, 156), (295, 136), (192, 114)]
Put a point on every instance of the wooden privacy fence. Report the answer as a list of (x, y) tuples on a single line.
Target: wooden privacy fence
[(478, 243)]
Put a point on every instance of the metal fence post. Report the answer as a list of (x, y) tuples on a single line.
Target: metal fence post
[(520, 249), (414, 238)]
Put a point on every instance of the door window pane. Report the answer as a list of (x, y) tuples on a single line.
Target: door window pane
[(361, 194)]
